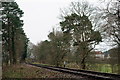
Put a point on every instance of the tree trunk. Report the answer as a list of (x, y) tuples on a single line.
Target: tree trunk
[(9, 43), (112, 68), (13, 46), (119, 59), (83, 66)]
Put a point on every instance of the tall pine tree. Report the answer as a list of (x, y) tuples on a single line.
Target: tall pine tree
[(12, 30)]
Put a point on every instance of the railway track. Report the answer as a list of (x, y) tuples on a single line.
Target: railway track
[(89, 74)]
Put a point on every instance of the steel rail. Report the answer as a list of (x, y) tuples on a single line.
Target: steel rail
[(85, 73)]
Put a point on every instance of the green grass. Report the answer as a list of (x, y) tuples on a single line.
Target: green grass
[(107, 68)]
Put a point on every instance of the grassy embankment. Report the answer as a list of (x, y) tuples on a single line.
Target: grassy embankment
[(29, 71), (20, 71)]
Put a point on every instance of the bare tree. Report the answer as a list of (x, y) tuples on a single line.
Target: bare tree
[(110, 22)]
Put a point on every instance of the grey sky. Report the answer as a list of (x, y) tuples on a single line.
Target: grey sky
[(40, 16)]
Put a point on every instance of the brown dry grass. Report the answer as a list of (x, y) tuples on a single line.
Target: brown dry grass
[(28, 71)]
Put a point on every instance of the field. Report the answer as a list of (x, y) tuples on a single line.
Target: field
[(107, 68)]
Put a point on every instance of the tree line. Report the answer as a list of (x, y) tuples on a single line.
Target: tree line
[(82, 28), (14, 39)]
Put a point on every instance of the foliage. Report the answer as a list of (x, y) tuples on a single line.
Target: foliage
[(60, 46), (83, 36), (53, 51), (42, 51), (13, 33)]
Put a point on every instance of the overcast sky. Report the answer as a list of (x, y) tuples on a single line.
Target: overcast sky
[(40, 16)]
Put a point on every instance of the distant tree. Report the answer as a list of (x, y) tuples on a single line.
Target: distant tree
[(42, 52), (60, 47)]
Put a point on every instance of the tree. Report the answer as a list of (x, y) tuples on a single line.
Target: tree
[(79, 26), (111, 18), (24, 54), (110, 24), (60, 47), (53, 51), (12, 29), (43, 52)]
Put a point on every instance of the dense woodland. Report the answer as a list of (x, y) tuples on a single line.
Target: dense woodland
[(82, 27)]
